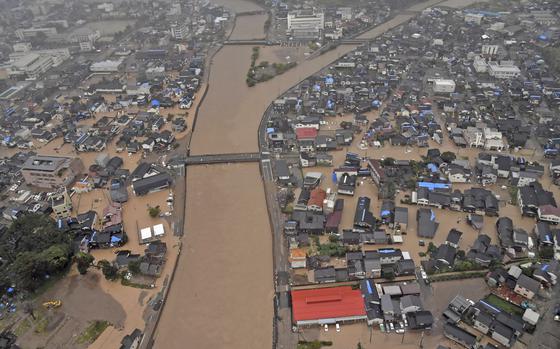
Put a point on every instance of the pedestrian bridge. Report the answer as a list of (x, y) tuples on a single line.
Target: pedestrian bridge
[(222, 158)]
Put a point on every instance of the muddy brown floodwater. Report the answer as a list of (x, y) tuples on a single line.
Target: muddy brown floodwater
[(222, 292), (221, 296)]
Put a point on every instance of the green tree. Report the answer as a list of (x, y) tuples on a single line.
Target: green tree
[(388, 161), (134, 267), (110, 271), (546, 252), (154, 211), (84, 261), (448, 156)]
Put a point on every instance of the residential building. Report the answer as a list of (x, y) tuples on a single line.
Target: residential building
[(61, 204), (51, 172), (460, 336), (526, 286), (298, 258)]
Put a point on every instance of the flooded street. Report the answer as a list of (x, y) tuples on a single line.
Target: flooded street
[(222, 292)]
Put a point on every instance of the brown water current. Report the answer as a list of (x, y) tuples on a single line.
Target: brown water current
[(222, 292)]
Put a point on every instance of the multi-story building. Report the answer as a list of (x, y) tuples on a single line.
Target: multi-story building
[(61, 204), (51, 172), (33, 65), (179, 31), (306, 24), (503, 70), (23, 34)]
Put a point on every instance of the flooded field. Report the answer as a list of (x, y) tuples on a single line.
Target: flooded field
[(221, 296), (107, 28)]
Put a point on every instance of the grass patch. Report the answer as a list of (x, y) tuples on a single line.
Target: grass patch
[(41, 324), (513, 195), (22, 327), (92, 332), (126, 282), (313, 344), (504, 305)]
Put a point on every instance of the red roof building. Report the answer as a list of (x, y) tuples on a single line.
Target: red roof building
[(327, 305), (306, 133)]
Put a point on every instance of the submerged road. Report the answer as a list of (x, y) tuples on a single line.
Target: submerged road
[(223, 288)]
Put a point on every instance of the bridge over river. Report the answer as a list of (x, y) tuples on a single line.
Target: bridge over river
[(207, 159)]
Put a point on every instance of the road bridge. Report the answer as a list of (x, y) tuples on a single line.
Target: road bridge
[(353, 41), (208, 159), (248, 42)]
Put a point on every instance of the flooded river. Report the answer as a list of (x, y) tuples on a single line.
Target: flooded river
[(221, 296)]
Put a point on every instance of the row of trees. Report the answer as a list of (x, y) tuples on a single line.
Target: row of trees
[(33, 250)]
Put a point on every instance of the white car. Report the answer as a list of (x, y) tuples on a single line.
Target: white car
[(337, 328), (326, 328), (391, 326)]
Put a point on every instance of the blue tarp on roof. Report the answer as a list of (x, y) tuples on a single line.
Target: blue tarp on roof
[(334, 178), (385, 213), (329, 80), (115, 239), (433, 216), (433, 168), (432, 186), (370, 291), (386, 250), (270, 130), (155, 103)]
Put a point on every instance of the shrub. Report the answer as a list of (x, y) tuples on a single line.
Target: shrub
[(154, 211), (83, 261)]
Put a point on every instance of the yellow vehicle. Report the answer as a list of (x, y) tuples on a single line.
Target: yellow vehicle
[(52, 304)]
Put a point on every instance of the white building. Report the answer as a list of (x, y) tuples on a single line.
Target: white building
[(493, 139), (33, 65), (444, 86), (306, 24), (503, 70), (22, 47), (58, 55), (490, 50), (179, 31), (474, 18), (480, 65), (23, 34), (107, 66)]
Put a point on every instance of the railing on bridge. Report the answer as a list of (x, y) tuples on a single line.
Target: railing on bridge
[(248, 42), (221, 158)]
